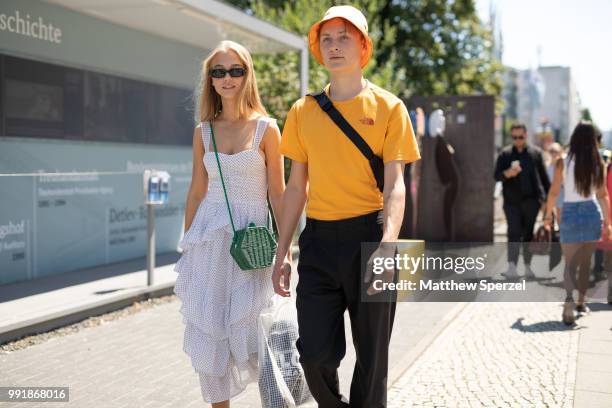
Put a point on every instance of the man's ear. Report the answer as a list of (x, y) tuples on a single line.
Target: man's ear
[(364, 46)]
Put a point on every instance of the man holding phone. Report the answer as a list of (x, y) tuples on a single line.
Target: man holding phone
[(520, 167)]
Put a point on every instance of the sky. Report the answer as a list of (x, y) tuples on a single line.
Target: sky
[(571, 33)]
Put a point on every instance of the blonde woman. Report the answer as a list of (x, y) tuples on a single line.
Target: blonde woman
[(221, 302)]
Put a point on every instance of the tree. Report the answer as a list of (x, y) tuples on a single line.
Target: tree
[(585, 114), (443, 47), (278, 74), (421, 47)]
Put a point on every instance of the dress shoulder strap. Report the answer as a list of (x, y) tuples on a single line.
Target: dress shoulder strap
[(260, 130), (204, 127)]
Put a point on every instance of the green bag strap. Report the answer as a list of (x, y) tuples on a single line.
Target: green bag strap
[(229, 210), (271, 223)]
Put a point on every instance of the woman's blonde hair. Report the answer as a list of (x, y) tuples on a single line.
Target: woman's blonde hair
[(207, 100)]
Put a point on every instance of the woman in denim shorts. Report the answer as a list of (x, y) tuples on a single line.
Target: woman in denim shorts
[(585, 204)]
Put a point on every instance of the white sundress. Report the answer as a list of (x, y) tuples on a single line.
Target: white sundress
[(220, 301)]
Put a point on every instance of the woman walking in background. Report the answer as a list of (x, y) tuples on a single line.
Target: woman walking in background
[(220, 301), (582, 173)]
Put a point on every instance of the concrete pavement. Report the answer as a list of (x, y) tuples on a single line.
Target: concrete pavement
[(138, 361), (46, 303), (513, 355), (442, 354)]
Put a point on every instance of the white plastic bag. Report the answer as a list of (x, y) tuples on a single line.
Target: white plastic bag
[(281, 378)]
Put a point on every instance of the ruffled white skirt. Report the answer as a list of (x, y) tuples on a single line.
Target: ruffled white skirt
[(221, 302)]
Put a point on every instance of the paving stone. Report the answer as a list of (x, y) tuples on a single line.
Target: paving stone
[(490, 363)]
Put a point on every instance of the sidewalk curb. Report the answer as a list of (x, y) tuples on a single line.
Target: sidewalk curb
[(70, 315), (408, 360), (75, 314)]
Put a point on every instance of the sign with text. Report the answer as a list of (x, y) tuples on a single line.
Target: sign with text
[(64, 220)]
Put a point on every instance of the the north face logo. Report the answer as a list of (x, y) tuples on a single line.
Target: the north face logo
[(367, 121)]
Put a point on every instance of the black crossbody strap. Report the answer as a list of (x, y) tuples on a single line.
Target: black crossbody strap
[(329, 108), (376, 163)]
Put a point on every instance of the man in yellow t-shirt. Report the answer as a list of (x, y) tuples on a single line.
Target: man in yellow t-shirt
[(345, 208)]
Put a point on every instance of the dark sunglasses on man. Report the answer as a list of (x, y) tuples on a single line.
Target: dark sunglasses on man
[(518, 137), (221, 72)]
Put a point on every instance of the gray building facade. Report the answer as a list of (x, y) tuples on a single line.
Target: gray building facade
[(94, 93)]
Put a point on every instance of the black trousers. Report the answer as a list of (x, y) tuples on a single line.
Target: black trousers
[(521, 218), (330, 282)]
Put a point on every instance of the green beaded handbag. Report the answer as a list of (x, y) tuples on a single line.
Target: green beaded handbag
[(254, 246)]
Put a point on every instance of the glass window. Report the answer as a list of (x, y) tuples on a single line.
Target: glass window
[(42, 100), (34, 101), (51, 101), (114, 109), (169, 116)]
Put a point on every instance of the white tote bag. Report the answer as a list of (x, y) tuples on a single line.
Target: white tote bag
[(281, 378)]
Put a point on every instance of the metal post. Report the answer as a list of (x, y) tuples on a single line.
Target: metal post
[(304, 71), (150, 243), (304, 78)]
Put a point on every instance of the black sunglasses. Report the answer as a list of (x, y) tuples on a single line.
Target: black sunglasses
[(221, 72), (518, 137)]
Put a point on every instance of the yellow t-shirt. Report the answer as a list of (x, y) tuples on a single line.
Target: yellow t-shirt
[(341, 183)]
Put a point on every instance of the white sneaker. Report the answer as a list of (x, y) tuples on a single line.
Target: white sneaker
[(511, 271), (529, 272)]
